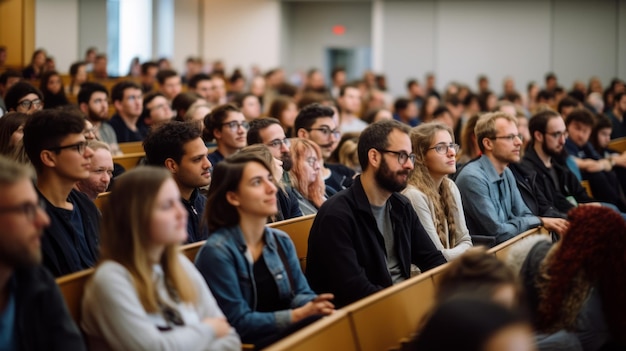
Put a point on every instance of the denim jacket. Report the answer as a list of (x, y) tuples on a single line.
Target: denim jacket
[(226, 265)]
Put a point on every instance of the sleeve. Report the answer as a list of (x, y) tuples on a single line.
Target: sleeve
[(332, 262), (63, 332), (461, 234), (421, 206), (218, 267), (208, 308), (112, 311)]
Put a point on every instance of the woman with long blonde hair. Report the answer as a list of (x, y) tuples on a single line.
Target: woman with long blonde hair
[(144, 294), (435, 197)]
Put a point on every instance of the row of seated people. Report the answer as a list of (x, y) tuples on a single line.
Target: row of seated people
[(376, 188)]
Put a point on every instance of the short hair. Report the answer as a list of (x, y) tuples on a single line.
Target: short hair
[(18, 91), (567, 101), (411, 82), (375, 136), (46, 128), (219, 213), (168, 141), (342, 90), (486, 126), (87, 89), (183, 101), (545, 95), (401, 104), (550, 75), (439, 111), (308, 98), (539, 122), (582, 116), (98, 145), (214, 120), (453, 100), (117, 92), (197, 78), (12, 172), (617, 98), (149, 97), (147, 65), (192, 110), (164, 74), (309, 114), (10, 73), (336, 71), (256, 125)]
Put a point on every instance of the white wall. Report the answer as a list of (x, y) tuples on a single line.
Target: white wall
[(92, 26), (621, 39), (187, 32), (242, 32), (56, 30)]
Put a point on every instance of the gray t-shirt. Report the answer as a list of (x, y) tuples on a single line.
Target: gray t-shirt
[(385, 227)]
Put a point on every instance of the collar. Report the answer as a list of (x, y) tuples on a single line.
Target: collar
[(192, 197), (270, 240), (489, 169)]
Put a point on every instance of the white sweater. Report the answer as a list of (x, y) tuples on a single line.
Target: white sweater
[(114, 319)]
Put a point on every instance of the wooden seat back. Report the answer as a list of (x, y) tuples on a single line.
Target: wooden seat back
[(102, 199), (130, 160), (618, 144), (131, 147), (298, 230)]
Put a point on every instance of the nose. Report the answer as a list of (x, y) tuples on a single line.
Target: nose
[(88, 152), (409, 164), (270, 186), (283, 147), (207, 164)]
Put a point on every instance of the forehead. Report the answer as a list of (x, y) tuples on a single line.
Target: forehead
[(98, 95), (441, 136), (73, 138), (172, 79), (102, 157), (194, 147), (204, 82), (29, 96), (324, 121), (234, 116), (158, 100), (132, 91), (17, 193), (556, 124), (167, 190), (399, 141), (272, 132), (253, 169), (506, 126), (580, 126)]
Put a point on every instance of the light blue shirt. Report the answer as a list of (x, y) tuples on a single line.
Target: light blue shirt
[(493, 204)]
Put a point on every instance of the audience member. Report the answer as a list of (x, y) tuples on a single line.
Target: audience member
[(350, 105), (100, 70), (229, 128), (435, 197), (285, 110), (11, 132), (405, 111), (127, 99), (169, 84), (52, 89), (617, 115), (23, 97), (57, 148), (202, 85), (346, 255), (36, 66), (156, 110), (33, 314), (306, 177), (93, 103), (469, 144), (272, 298), (145, 295), (100, 172), (7, 79), (78, 76), (249, 105), (148, 75)]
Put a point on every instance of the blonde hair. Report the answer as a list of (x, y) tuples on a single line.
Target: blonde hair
[(441, 197), (125, 236), (486, 126), (348, 155), (314, 191)]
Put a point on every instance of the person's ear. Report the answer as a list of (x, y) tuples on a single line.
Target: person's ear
[(233, 198), (171, 165), (374, 158), (302, 133), (48, 158)]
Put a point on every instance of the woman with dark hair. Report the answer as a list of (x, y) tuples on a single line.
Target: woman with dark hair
[(577, 283), (253, 270), (52, 88), (36, 66), (78, 76), (144, 294), (435, 197), (11, 132), (285, 110), (428, 108), (469, 144)]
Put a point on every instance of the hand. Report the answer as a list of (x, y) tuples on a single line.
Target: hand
[(596, 204), (557, 225), (320, 305), (219, 325)]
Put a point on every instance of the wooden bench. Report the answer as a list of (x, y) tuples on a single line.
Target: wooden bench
[(618, 144), (131, 147), (129, 161), (102, 199), (585, 184), (298, 230), (501, 250)]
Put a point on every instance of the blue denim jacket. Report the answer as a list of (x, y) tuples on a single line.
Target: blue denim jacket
[(226, 265)]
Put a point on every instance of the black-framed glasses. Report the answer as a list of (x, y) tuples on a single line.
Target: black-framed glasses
[(402, 156), (234, 125), (442, 148), (312, 161), (510, 137), (79, 147), (29, 209), (276, 143), (327, 131), (26, 104), (558, 135)]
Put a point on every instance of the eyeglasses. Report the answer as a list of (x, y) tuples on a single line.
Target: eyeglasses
[(79, 147), (234, 125), (558, 135), (312, 161), (442, 148), (510, 137), (26, 104), (276, 143), (134, 98), (327, 131), (402, 156), (29, 209)]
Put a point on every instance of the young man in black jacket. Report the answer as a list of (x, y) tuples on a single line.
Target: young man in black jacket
[(33, 315)]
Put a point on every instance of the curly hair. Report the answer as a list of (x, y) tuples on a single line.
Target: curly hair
[(590, 254), (441, 197)]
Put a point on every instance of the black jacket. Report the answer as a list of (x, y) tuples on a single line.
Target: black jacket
[(195, 208), (287, 204), (62, 253), (568, 183), (346, 254), (539, 205), (42, 321)]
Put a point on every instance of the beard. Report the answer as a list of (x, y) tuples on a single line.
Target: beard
[(287, 161), (387, 179), (557, 155), (94, 116)]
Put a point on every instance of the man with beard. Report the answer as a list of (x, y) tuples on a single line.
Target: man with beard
[(554, 179), (101, 172), (268, 131), (492, 202), (365, 238), (178, 146), (93, 102), (316, 123), (33, 315)]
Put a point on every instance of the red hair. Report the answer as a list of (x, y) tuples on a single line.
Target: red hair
[(314, 192)]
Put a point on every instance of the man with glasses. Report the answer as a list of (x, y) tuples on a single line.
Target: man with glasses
[(365, 238), (55, 143), (128, 101), (492, 202), (316, 123), (156, 110), (33, 315), (229, 128), (269, 132), (93, 101), (23, 97)]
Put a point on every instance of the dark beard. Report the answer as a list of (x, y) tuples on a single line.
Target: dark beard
[(386, 179), (287, 161), (559, 157)]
